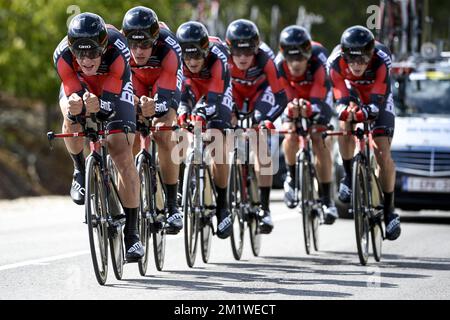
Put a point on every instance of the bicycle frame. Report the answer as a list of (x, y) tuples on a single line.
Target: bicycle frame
[(197, 156), (366, 146), (304, 128)]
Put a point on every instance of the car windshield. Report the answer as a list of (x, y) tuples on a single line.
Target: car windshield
[(427, 96)]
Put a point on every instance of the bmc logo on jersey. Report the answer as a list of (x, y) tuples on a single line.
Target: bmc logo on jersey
[(161, 107), (179, 78), (220, 54), (386, 58), (323, 58), (227, 100), (127, 93), (123, 48), (62, 46), (172, 42)]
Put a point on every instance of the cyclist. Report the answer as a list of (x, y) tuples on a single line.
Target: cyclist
[(93, 64), (256, 84), (359, 69), (302, 66), (157, 79), (207, 92)]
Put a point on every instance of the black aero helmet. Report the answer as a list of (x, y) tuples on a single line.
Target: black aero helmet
[(87, 35), (242, 34), (357, 43), (193, 39), (141, 24), (295, 43)]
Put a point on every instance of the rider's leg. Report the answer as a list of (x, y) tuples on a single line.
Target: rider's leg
[(290, 148), (386, 121), (75, 148), (120, 147), (387, 170), (346, 148), (120, 150), (322, 150), (220, 169), (264, 173), (324, 163), (169, 168)]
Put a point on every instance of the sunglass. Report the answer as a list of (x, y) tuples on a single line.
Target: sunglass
[(248, 52), (358, 59), (143, 44), (195, 55), (296, 57), (90, 54)]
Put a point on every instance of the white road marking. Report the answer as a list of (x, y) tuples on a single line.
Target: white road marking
[(44, 261)]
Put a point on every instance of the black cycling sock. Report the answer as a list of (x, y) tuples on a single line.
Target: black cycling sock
[(172, 190), (291, 170), (388, 202), (325, 189), (78, 161), (131, 215), (265, 195), (221, 198), (347, 167)]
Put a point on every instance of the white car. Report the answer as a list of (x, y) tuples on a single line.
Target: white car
[(421, 143)]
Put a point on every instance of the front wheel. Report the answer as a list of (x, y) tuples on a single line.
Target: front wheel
[(376, 233), (159, 233), (235, 200), (116, 233), (145, 209), (306, 201), (116, 227), (191, 219), (96, 215), (252, 189), (360, 201), (206, 227)]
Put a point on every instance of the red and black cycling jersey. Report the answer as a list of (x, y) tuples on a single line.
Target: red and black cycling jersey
[(112, 82), (212, 83), (373, 87), (262, 74), (162, 75), (313, 85)]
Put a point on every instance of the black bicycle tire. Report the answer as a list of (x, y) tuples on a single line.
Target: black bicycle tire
[(101, 275), (189, 247), (159, 236), (304, 182), (255, 236), (144, 232), (361, 219), (205, 226), (235, 186)]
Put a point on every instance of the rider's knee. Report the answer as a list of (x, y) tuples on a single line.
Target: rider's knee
[(121, 151), (291, 139), (383, 156)]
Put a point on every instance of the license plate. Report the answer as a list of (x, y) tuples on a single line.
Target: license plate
[(415, 184)]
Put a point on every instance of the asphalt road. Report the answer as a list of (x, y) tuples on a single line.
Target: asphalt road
[(45, 255)]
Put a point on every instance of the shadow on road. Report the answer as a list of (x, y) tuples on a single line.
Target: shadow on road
[(402, 261), (230, 282), (294, 277)]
